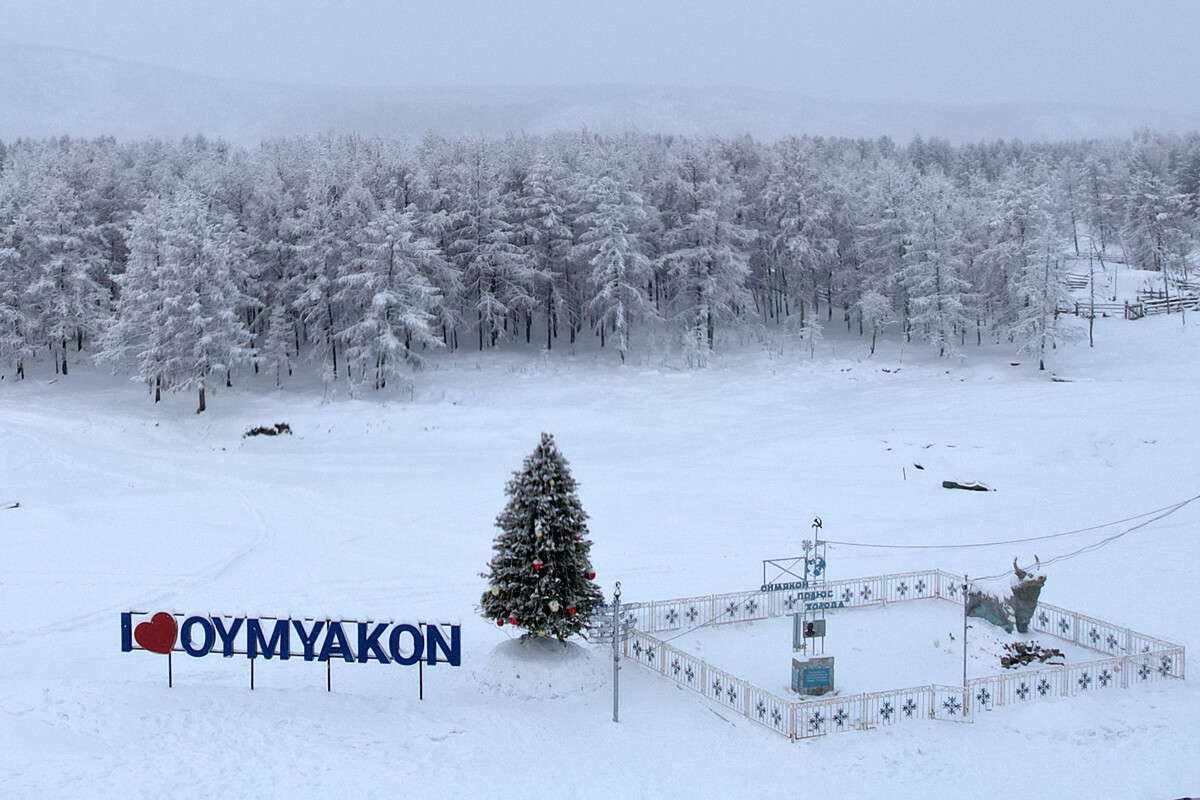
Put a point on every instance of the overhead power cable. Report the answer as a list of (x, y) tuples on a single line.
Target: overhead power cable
[(1097, 545), (1169, 509)]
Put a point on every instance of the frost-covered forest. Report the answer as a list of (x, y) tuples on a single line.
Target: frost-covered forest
[(189, 264)]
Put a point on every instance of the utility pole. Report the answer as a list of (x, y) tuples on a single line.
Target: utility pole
[(965, 583), (616, 622)]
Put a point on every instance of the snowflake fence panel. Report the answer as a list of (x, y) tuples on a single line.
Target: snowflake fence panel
[(671, 615), (1016, 687), (950, 586), (644, 649), (727, 690), (896, 705), (769, 710), (1148, 667), (832, 715), (739, 607), (1094, 675), (949, 703), (1096, 634)]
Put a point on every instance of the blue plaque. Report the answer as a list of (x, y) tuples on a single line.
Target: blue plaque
[(815, 677)]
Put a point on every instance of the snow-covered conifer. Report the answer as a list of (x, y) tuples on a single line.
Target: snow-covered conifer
[(179, 325), (620, 271), (876, 312), (540, 578), (392, 300), (275, 355), (705, 253), (937, 293)]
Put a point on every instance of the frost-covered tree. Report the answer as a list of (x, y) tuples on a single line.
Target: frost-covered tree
[(1159, 228), (537, 212), (540, 578), (1152, 211), (140, 339), (1100, 204), (498, 278), (336, 208), (15, 347), (705, 253), (936, 292), (393, 301), (275, 355), (1027, 253), (799, 228), (1040, 290), (883, 240), (59, 249), (876, 312), (179, 326), (620, 271)]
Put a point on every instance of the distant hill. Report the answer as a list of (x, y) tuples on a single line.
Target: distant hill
[(51, 92)]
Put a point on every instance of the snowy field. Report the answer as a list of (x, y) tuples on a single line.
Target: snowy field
[(382, 507)]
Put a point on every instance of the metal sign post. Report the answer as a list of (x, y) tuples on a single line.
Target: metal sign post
[(966, 583), (616, 622)]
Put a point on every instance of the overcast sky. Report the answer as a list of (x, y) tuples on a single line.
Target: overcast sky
[(1129, 53)]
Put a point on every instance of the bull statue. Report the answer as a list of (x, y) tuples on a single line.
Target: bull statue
[(1017, 609), (1026, 589)]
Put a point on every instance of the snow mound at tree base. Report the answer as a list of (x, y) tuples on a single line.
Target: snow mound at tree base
[(543, 669)]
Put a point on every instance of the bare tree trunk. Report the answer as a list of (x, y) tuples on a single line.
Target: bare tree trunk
[(202, 407)]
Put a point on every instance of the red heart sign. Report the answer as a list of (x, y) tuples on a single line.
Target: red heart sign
[(157, 635)]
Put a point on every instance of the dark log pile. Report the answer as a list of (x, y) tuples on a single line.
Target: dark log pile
[(970, 486), (1022, 654), (275, 430)]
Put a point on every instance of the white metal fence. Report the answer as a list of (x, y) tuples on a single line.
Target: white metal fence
[(1129, 657)]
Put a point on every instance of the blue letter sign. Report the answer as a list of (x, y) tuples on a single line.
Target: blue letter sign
[(273, 637)]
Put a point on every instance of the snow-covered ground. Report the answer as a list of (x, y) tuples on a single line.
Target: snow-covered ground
[(382, 507), (875, 648)]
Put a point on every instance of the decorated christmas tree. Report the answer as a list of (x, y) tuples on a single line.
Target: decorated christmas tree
[(540, 578)]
